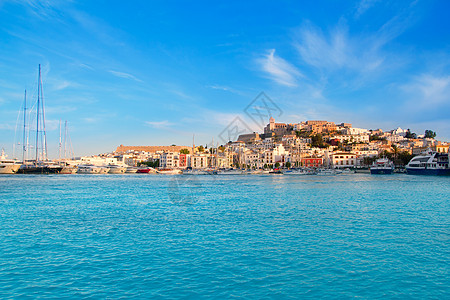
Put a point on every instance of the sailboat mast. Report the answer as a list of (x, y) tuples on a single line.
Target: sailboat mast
[(37, 117), (59, 139), (24, 145), (65, 140), (44, 150)]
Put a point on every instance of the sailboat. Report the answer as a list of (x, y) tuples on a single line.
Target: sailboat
[(41, 164), (67, 167)]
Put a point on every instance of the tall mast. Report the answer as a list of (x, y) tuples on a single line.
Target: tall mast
[(44, 150), (60, 139), (25, 142), (37, 117), (65, 140)]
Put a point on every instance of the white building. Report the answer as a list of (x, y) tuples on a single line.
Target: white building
[(343, 160), (169, 160)]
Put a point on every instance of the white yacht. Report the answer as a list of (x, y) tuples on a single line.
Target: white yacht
[(88, 169), (230, 172), (431, 163), (195, 172), (116, 169), (8, 166), (167, 171)]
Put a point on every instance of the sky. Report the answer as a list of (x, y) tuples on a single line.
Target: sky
[(161, 72)]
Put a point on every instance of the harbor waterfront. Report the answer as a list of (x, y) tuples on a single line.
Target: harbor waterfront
[(262, 236)]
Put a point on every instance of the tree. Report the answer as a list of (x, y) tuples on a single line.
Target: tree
[(394, 151), (288, 165), (410, 135), (368, 160), (184, 151), (376, 138), (150, 163), (317, 141), (277, 165), (430, 134), (404, 157), (201, 148)]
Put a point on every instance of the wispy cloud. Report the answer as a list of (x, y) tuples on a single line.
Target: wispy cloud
[(224, 88), (159, 124), (363, 6), (428, 91), (125, 75), (279, 69), (338, 50)]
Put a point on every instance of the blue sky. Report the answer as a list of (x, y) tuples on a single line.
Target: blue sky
[(156, 72)]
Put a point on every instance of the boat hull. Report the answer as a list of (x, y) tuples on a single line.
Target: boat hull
[(381, 171), (9, 169), (434, 172), (40, 170)]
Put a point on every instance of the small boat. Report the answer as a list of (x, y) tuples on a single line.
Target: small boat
[(167, 171), (195, 172), (295, 172), (326, 172), (431, 163), (8, 166), (276, 172), (230, 172), (382, 166), (131, 170), (147, 170)]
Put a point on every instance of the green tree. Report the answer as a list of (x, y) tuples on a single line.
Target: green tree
[(184, 151), (430, 134), (288, 165), (404, 157), (150, 163), (277, 165), (368, 160), (201, 148), (410, 135)]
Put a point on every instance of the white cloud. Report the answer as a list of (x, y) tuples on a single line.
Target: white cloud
[(428, 90), (159, 124), (363, 6), (124, 75), (279, 69), (338, 50)]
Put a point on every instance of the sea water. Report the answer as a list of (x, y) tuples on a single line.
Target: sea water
[(224, 237)]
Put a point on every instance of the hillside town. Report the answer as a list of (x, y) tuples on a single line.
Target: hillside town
[(309, 144)]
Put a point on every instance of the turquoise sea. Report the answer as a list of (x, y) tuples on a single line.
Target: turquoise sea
[(224, 237)]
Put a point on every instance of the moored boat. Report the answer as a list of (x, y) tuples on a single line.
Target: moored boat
[(167, 171), (230, 172), (116, 169), (382, 166), (88, 169), (131, 170), (276, 172), (8, 166), (147, 170), (431, 163), (40, 168)]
